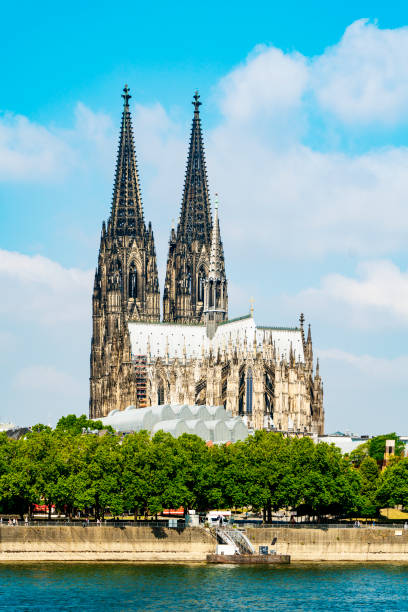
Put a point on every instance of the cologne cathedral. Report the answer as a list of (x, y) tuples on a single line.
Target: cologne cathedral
[(195, 354)]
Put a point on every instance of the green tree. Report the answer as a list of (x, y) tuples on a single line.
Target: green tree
[(136, 481), (167, 489), (17, 477), (75, 425), (328, 485), (369, 482), (377, 446), (259, 474), (99, 481), (393, 485), (360, 453)]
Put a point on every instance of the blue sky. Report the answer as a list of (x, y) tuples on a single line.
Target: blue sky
[(306, 128)]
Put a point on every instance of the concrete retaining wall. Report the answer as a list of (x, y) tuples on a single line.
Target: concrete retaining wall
[(330, 544), (65, 543), (150, 544)]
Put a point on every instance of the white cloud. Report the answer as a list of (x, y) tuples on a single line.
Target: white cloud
[(40, 290), (376, 298), (269, 82), (364, 78), (30, 152), (45, 324), (300, 202), (376, 367)]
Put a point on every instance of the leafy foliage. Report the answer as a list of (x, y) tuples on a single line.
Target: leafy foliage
[(77, 471)]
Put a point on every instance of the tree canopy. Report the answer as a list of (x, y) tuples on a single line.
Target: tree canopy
[(75, 470)]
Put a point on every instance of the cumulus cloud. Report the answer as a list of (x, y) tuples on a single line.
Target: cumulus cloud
[(31, 152), (45, 323), (364, 78), (269, 82), (41, 290), (376, 297), (301, 202)]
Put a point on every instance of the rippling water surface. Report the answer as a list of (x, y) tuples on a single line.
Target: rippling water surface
[(91, 587)]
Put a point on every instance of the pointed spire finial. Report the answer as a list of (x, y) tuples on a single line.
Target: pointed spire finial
[(126, 95), (216, 202), (302, 320), (196, 101), (252, 306)]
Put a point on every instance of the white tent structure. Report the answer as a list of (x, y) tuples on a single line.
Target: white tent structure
[(237, 429), (176, 427), (219, 432), (211, 423)]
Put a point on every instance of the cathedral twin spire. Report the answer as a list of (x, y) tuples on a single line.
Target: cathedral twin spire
[(195, 216), (195, 248), (127, 211)]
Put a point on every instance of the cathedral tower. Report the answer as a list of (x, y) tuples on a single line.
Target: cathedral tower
[(188, 261), (126, 284)]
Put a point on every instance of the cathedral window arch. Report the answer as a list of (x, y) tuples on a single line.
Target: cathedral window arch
[(241, 392), (211, 294), (249, 390), (160, 393), (201, 285), (115, 275), (188, 280), (218, 294), (133, 281)]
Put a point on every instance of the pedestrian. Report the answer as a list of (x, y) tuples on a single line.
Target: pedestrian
[(14, 522), (26, 521), (405, 525)]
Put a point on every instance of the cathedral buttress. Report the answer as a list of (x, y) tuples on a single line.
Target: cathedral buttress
[(189, 248), (126, 284)]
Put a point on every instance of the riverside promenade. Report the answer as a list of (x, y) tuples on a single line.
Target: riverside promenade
[(156, 543)]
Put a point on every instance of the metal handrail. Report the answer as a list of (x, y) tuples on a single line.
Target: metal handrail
[(84, 523)]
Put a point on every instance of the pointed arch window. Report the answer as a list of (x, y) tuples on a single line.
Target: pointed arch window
[(211, 294), (241, 392), (218, 295), (160, 393), (115, 275), (201, 284), (249, 389), (133, 281)]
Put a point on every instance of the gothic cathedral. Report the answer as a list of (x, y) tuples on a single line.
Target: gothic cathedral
[(195, 355)]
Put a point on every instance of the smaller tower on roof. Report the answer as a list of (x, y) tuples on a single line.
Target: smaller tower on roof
[(215, 290)]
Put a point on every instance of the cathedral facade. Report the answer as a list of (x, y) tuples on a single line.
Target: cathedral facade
[(195, 354)]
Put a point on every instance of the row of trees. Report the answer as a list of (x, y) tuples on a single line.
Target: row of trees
[(140, 474)]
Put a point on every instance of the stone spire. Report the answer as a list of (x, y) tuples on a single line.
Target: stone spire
[(216, 268), (127, 213), (215, 292), (195, 215)]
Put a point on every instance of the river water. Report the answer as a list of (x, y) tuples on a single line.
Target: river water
[(106, 587)]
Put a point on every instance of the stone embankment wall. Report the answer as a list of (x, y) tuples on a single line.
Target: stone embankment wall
[(332, 544), (64, 543), (158, 544)]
